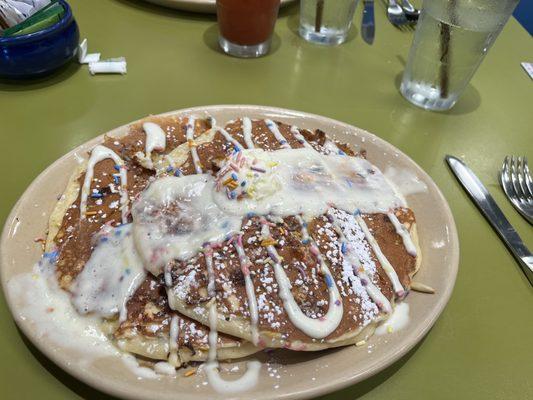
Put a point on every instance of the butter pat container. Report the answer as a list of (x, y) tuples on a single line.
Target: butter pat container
[(40, 53)]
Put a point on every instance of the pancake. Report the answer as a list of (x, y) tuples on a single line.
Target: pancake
[(146, 328), (133, 247), (189, 278)]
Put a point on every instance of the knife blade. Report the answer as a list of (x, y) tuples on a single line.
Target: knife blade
[(484, 201), (368, 24)]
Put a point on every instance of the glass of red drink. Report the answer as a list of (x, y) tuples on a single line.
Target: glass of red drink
[(246, 26)]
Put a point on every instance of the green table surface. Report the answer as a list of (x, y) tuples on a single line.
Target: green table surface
[(481, 347)]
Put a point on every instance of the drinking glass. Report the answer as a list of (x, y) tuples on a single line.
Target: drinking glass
[(246, 26), (451, 39), (326, 22)]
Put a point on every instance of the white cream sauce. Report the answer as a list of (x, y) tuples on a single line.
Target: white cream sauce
[(135, 368), (110, 276), (48, 309), (174, 217), (398, 320), (302, 181), (406, 181)]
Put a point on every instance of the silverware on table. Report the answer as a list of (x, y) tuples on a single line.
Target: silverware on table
[(493, 214), (368, 26), (396, 14), (517, 184), (410, 11)]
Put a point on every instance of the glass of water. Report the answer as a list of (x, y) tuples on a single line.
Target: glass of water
[(326, 22), (451, 40)]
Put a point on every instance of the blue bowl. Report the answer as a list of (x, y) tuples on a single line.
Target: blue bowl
[(40, 53)]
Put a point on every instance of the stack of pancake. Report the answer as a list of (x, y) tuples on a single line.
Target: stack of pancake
[(267, 284)]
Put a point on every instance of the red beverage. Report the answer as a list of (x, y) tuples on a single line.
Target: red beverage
[(246, 26)]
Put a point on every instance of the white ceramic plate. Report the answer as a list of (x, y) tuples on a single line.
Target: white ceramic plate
[(301, 375)]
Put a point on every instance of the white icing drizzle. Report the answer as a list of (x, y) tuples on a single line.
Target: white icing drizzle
[(98, 154), (155, 138), (373, 291), (299, 137), (224, 133), (403, 232), (317, 328), (228, 137), (173, 340), (168, 276), (273, 127), (251, 376), (250, 291), (247, 132), (155, 141), (192, 145), (389, 270), (111, 275)]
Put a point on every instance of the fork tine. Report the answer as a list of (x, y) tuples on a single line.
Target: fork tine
[(505, 178), (522, 180), (515, 180), (520, 177), (528, 179)]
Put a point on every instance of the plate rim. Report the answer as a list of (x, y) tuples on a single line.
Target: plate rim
[(332, 385), (198, 6)]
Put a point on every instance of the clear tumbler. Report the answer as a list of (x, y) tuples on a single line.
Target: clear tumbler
[(451, 40)]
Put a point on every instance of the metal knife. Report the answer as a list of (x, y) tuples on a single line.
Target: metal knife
[(493, 214), (368, 25)]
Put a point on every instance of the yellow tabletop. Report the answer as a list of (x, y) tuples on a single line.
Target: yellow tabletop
[(481, 347)]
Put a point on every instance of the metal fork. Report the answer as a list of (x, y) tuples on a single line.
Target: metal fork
[(517, 184), (396, 14), (410, 11)]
